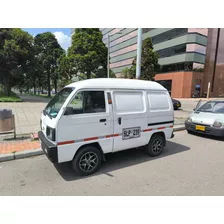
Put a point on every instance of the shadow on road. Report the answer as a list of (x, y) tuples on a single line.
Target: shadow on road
[(119, 160), (208, 136)]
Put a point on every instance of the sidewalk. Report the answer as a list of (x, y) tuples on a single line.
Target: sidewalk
[(9, 146)]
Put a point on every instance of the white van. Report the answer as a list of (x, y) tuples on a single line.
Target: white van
[(90, 118)]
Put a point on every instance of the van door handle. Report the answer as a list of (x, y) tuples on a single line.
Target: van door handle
[(103, 120), (119, 120)]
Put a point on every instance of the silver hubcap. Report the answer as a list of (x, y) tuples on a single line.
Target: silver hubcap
[(157, 146), (88, 161)]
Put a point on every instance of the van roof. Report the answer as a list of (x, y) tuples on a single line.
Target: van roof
[(112, 83)]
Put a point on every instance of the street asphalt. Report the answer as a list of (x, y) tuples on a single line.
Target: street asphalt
[(190, 165)]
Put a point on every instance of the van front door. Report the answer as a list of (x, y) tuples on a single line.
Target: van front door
[(130, 120), (88, 120)]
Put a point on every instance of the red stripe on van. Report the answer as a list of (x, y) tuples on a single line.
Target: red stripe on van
[(108, 136), (67, 142), (161, 128), (115, 135), (171, 126), (146, 130), (90, 139)]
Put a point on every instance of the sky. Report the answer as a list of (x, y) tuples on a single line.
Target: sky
[(62, 34)]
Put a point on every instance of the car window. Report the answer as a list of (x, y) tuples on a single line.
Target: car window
[(87, 102), (213, 107)]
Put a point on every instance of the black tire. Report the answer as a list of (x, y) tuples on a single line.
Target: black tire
[(190, 132), (82, 163), (159, 140)]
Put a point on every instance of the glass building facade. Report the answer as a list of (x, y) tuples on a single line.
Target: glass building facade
[(180, 49)]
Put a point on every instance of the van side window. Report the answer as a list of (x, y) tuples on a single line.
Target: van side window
[(87, 102), (158, 101), (129, 101)]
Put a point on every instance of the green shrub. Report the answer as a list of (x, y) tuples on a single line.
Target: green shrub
[(12, 98)]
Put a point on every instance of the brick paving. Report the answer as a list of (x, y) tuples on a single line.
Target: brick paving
[(18, 145)]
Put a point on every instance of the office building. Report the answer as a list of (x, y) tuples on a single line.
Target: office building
[(182, 55)]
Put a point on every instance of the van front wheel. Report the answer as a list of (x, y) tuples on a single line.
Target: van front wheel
[(156, 145), (87, 161)]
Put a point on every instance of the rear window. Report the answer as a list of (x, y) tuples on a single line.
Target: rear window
[(158, 101)]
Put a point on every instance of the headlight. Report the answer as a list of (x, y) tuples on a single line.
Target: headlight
[(51, 133), (217, 124), (189, 120)]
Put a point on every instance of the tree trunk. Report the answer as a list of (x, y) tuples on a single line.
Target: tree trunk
[(88, 74), (6, 84), (49, 84), (34, 86), (55, 86)]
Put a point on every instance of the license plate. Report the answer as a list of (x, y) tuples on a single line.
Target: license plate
[(200, 128), (129, 133)]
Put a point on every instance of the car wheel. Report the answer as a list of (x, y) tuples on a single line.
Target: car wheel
[(87, 161), (190, 132), (156, 145)]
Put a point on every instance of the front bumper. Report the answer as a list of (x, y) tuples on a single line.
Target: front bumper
[(50, 149), (218, 132)]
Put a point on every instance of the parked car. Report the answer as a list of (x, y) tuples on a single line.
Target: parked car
[(176, 104), (207, 118), (88, 119)]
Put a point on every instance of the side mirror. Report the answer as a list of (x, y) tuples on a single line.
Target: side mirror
[(194, 109), (68, 111)]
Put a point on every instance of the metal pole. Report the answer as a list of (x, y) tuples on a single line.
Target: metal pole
[(108, 58), (208, 90), (139, 54)]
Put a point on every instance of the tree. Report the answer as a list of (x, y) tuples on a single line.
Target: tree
[(149, 62), (16, 52), (112, 74), (126, 73), (48, 52), (89, 52)]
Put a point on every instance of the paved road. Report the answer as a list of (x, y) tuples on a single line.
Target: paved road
[(190, 165)]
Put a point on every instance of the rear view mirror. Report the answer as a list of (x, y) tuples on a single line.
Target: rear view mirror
[(68, 111), (194, 109)]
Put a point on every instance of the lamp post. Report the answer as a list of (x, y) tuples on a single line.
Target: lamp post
[(108, 53), (139, 54)]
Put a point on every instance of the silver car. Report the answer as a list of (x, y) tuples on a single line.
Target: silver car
[(207, 118)]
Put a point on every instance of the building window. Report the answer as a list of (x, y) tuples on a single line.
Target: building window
[(169, 35), (166, 84), (145, 30), (172, 51), (186, 66)]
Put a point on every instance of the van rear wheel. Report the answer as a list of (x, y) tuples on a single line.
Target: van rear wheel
[(87, 161), (156, 145)]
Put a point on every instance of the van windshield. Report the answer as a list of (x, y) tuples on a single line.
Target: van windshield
[(54, 106)]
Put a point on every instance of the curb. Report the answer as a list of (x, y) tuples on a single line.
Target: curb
[(21, 155), (180, 128), (37, 152)]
